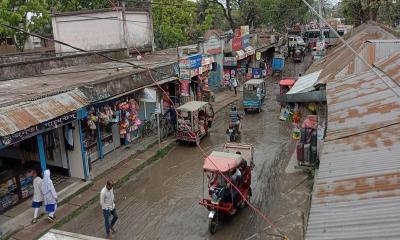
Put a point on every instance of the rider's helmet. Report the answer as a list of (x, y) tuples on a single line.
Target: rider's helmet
[(233, 108)]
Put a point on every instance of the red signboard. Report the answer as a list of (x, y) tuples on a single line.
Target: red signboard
[(236, 44)]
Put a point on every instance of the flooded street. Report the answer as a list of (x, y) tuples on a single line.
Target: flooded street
[(161, 202)]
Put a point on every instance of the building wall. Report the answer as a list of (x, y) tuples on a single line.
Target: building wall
[(139, 28), (102, 30), (214, 46)]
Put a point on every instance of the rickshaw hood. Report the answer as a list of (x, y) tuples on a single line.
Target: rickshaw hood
[(221, 161)]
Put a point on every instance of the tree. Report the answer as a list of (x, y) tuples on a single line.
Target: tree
[(389, 13), (31, 16), (75, 5), (360, 11), (281, 14)]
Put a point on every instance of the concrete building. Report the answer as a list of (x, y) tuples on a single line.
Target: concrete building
[(103, 29)]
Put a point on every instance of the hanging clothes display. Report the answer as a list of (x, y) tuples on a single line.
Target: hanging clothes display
[(69, 137)]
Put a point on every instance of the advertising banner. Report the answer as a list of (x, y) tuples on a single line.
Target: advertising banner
[(195, 61), (185, 85), (245, 41)]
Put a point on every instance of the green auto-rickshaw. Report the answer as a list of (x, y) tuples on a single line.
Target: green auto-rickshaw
[(253, 94)]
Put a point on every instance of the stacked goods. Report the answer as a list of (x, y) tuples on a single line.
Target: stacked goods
[(307, 147)]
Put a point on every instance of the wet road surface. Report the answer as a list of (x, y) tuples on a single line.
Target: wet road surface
[(162, 201)]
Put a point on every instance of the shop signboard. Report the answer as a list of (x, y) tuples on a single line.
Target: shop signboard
[(149, 95), (184, 63), (43, 127), (213, 45), (227, 77), (195, 61), (258, 56), (245, 30), (205, 61), (185, 84), (240, 55), (245, 41), (236, 44), (257, 72), (185, 74), (230, 61)]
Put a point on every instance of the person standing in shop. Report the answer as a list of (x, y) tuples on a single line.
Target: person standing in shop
[(49, 196), (37, 199), (107, 203)]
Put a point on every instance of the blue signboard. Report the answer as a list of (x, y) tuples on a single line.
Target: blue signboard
[(245, 41), (257, 72), (195, 61)]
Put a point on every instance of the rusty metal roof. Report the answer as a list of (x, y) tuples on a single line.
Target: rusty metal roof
[(357, 189), (362, 102), (21, 116), (341, 58)]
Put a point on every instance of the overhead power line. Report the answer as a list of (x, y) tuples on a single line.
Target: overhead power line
[(352, 50)]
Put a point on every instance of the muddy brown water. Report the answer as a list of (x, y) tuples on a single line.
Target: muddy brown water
[(161, 202)]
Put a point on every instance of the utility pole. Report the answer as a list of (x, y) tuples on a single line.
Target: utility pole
[(125, 28), (150, 9), (321, 23)]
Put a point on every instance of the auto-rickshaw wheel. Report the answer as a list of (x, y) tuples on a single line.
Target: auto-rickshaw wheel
[(212, 225)]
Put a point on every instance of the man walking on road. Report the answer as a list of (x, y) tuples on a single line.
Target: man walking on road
[(108, 205), (235, 84)]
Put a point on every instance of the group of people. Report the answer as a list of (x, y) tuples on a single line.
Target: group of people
[(43, 192)]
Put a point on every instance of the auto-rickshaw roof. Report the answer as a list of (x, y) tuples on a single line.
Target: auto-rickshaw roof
[(192, 106), (287, 82), (254, 81), (221, 161)]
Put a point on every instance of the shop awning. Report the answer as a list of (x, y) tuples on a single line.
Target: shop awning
[(240, 55), (314, 96), (305, 83), (24, 115), (250, 50), (170, 79), (287, 82)]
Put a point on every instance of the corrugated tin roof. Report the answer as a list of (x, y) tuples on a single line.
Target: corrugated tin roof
[(27, 114), (357, 189), (356, 192), (341, 57), (360, 103), (373, 51), (305, 83), (391, 66)]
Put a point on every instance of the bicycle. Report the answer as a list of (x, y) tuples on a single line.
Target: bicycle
[(150, 126)]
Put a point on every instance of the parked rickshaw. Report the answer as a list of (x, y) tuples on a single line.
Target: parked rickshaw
[(194, 120), (286, 84), (253, 94), (223, 199)]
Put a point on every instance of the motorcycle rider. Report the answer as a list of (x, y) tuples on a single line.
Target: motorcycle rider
[(235, 118)]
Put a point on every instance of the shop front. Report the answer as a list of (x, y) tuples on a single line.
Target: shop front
[(213, 46), (194, 76), (53, 142)]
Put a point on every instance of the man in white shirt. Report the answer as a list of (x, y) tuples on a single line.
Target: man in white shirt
[(37, 199), (108, 205)]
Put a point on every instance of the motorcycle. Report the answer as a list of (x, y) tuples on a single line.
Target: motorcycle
[(233, 132)]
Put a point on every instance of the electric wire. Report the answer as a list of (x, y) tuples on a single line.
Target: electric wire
[(150, 70), (351, 49)]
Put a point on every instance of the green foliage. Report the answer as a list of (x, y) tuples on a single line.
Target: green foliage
[(32, 16), (284, 13), (179, 22), (75, 5)]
